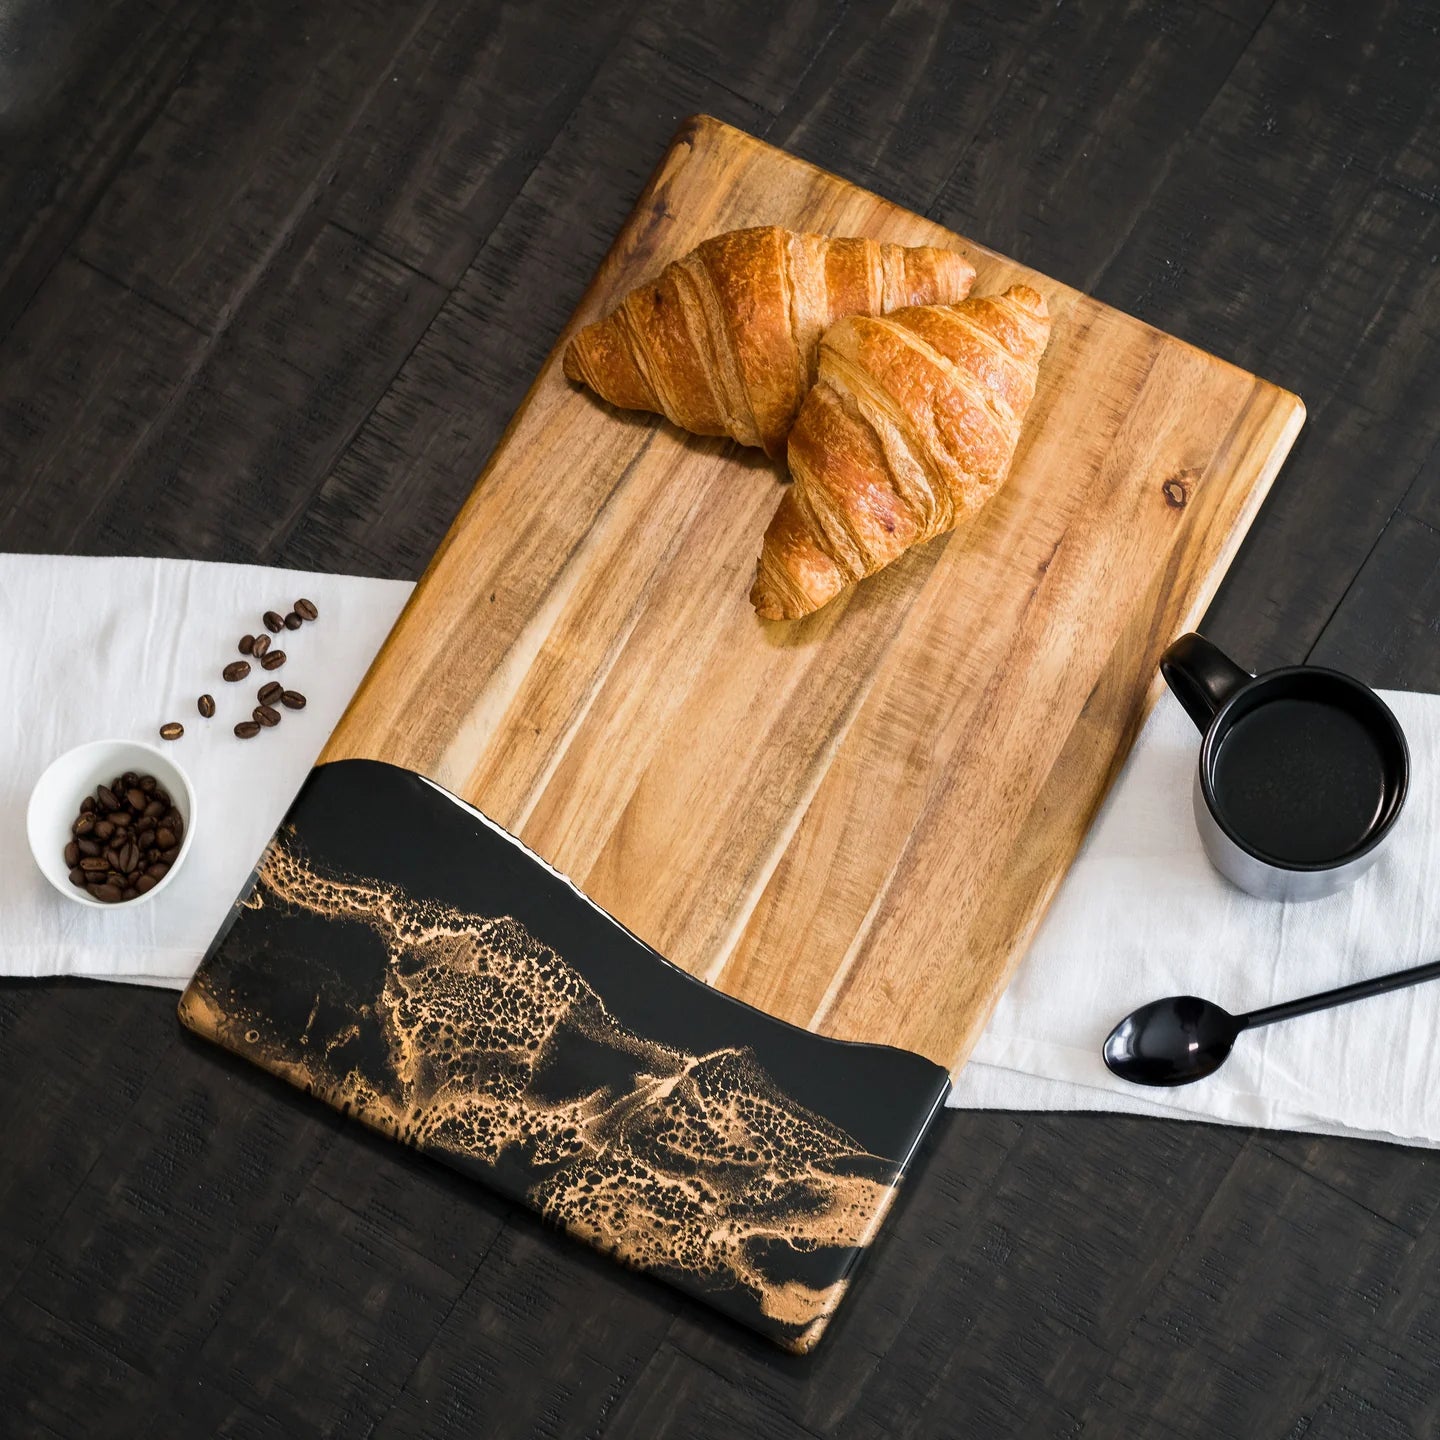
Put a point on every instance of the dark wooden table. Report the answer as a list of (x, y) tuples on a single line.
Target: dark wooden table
[(272, 278)]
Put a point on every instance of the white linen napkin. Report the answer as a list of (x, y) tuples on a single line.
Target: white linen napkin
[(112, 648)]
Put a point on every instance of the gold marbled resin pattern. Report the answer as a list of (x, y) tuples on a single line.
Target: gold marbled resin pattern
[(698, 1164)]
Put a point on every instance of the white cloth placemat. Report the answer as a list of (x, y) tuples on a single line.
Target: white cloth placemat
[(112, 648)]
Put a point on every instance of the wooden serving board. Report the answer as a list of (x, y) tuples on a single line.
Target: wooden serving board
[(853, 822)]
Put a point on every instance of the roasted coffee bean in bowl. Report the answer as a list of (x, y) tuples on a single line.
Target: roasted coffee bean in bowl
[(110, 823)]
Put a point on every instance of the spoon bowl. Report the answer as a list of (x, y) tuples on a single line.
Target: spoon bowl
[(1172, 1042)]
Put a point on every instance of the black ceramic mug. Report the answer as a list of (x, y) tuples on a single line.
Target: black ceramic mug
[(1302, 774)]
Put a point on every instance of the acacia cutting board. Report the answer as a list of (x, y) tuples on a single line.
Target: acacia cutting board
[(853, 822)]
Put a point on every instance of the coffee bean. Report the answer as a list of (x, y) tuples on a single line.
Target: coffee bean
[(84, 824), (174, 823), (77, 877), (108, 893), (130, 858), (206, 705), (292, 699), (171, 730), (149, 784), (158, 871), (262, 644), (119, 818), (274, 623), (165, 837), (87, 805), (129, 893), (146, 883), (306, 610), (152, 854), (95, 864), (247, 644), (87, 846), (293, 621), (273, 661), (104, 830), (72, 854), (247, 729), (267, 715), (128, 779), (236, 670), (153, 811), (135, 797), (168, 856), (107, 798), (270, 693), (145, 839)]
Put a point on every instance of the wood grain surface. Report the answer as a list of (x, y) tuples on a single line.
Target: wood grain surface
[(189, 1248), (853, 822)]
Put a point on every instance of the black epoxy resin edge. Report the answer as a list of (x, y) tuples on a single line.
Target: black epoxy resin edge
[(436, 979)]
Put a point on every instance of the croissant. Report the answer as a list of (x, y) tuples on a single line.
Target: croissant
[(908, 432), (724, 341)]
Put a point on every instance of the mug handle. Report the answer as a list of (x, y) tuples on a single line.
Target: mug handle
[(1201, 677)]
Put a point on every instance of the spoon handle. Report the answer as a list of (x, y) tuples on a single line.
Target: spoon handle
[(1360, 990)]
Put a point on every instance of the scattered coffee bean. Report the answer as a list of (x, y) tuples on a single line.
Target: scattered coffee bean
[(171, 730), (274, 622), (306, 610), (236, 670), (270, 692), (77, 877), (247, 644), (293, 621), (107, 798), (108, 893), (292, 699), (273, 661), (206, 705), (267, 715), (262, 644), (247, 729)]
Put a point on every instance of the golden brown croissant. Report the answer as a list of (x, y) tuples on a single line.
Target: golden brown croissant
[(724, 341), (909, 430)]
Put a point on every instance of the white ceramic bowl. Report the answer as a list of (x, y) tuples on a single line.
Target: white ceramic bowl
[(55, 802)]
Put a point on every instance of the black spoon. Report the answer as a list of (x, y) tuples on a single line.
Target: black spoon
[(1183, 1039)]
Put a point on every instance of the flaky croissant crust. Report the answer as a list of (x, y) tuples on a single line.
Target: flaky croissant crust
[(725, 340), (909, 430)]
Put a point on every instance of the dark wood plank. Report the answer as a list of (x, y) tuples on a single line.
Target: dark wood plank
[(83, 376), (475, 99), (241, 149), (1246, 1323), (1385, 626), (80, 82)]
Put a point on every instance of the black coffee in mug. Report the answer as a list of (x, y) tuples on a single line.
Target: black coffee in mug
[(1302, 772)]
